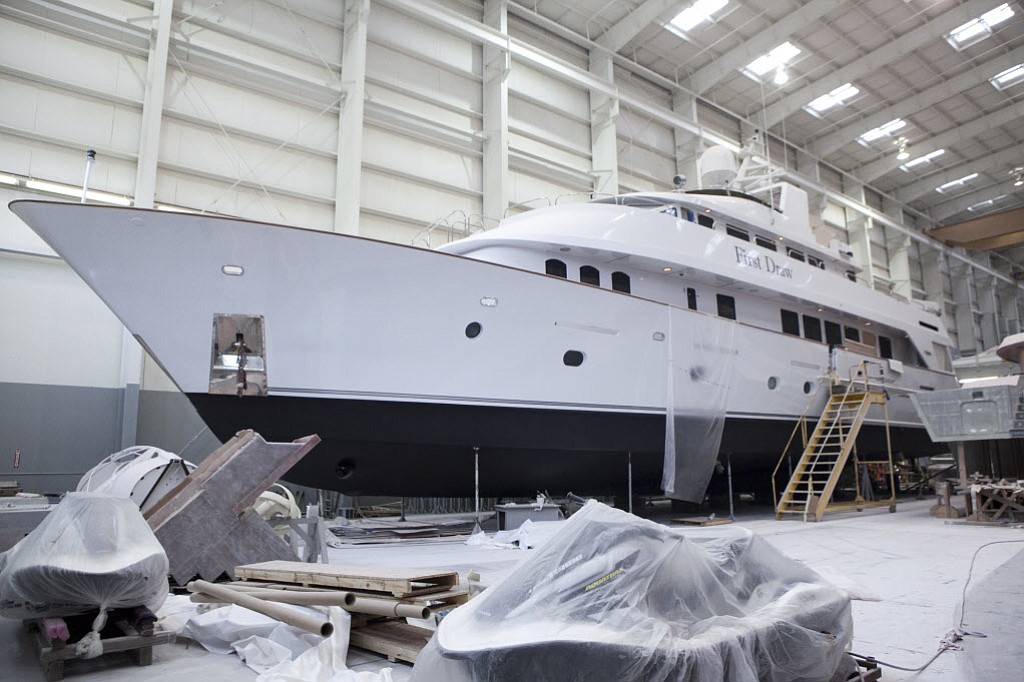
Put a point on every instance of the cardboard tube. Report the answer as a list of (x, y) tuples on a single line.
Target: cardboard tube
[(387, 607), (273, 610), (333, 598)]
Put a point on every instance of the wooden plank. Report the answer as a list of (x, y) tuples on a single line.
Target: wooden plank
[(394, 639), (701, 521), (400, 582)]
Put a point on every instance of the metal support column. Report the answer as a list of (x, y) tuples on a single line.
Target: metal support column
[(350, 118), (604, 109), (497, 64)]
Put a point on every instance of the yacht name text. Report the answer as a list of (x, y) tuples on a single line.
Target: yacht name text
[(752, 259)]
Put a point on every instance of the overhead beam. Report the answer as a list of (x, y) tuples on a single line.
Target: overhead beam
[(915, 102), (876, 59), (985, 227), (948, 209), (961, 133), (1000, 242), (749, 50), (630, 26), (1003, 160)]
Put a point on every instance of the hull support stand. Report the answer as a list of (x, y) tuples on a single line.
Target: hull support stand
[(476, 484), (629, 481)]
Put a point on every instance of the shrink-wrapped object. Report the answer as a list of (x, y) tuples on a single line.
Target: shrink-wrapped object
[(615, 597), (92, 552)]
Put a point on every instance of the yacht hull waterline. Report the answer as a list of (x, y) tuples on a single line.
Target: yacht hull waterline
[(407, 361)]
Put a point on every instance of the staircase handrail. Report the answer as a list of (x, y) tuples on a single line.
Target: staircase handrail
[(800, 422)]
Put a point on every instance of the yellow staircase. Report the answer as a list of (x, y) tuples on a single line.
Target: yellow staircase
[(828, 449)]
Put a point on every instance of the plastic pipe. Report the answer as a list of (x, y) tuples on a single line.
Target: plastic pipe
[(273, 610), (334, 598), (368, 606), (387, 607)]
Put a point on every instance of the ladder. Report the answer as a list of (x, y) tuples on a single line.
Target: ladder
[(828, 448)]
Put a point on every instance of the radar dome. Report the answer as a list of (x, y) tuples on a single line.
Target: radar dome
[(717, 167)]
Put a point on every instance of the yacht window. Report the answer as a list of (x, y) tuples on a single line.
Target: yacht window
[(885, 346), (833, 333), (790, 323), (928, 326), (669, 210), (726, 306), (816, 262), (737, 232), (853, 334), (795, 255), (851, 275), (555, 267), (705, 220), (691, 298), (590, 275), (765, 243), (620, 282), (812, 328), (688, 215)]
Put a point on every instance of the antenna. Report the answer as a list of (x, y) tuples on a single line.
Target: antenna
[(90, 159)]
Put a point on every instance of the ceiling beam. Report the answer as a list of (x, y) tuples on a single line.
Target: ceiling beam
[(985, 227), (958, 204), (876, 59), (630, 26), (749, 50), (1000, 242), (888, 162), (913, 103), (993, 163)]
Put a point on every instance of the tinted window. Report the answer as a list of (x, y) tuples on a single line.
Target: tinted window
[(555, 267), (812, 328), (816, 262), (590, 275), (737, 232), (572, 358), (765, 243), (726, 306), (705, 220), (790, 323), (691, 298), (851, 275), (833, 333), (885, 346), (794, 254), (853, 334), (620, 282)]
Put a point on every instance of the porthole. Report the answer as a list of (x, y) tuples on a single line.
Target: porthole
[(572, 358), (473, 330), (773, 383), (808, 387), (345, 469)]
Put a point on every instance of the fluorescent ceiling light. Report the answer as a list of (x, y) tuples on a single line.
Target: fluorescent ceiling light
[(972, 380), (976, 30), (1004, 79), (696, 14), (953, 184), (8, 179), (927, 158), (173, 209), (884, 130), (72, 191), (108, 198), (773, 61), (982, 205), (833, 99)]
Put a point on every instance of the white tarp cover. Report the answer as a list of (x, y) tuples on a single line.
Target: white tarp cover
[(702, 355), (615, 597)]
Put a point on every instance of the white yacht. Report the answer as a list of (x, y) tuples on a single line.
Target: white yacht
[(664, 329)]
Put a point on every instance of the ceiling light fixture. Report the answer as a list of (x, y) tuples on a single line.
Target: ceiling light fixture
[(1018, 176), (903, 154), (781, 77)]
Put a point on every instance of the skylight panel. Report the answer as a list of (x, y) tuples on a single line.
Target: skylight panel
[(775, 60), (884, 130), (927, 158), (954, 184), (1004, 79), (976, 30), (696, 14), (831, 100)]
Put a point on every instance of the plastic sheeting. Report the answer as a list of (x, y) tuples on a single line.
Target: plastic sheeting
[(92, 551), (702, 354), (615, 597)]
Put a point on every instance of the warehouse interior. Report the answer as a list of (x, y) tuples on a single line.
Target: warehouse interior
[(421, 123)]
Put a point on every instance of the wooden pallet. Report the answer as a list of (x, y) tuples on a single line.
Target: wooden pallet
[(701, 521), (398, 582), (394, 639), (118, 636)]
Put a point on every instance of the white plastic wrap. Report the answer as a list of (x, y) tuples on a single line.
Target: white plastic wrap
[(92, 551), (615, 597)]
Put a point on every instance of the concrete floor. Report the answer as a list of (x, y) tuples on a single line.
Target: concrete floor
[(915, 564)]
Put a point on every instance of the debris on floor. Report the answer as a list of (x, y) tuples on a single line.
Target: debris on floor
[(612, 596)]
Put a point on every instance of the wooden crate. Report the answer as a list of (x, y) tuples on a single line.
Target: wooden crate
[(397, 582), (397, 640)]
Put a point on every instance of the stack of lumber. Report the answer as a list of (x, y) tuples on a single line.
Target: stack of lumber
[(379, 598)]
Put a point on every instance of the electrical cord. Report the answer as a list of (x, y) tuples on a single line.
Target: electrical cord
[(949, 641)]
